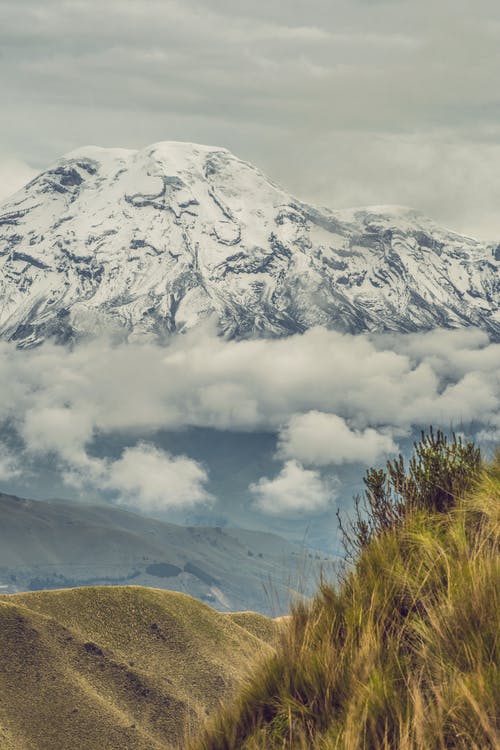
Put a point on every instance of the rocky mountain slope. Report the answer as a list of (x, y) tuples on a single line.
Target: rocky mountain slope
[(47, 545), (143, 243), (117, 667)]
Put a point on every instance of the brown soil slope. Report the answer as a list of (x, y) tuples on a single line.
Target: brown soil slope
[(114, 667)]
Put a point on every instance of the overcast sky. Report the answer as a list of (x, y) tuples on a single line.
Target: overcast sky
[(344, 102)]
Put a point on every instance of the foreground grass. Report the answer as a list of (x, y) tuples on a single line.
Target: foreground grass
[(404, 654)]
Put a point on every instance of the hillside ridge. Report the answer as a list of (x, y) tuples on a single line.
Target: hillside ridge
[(115, 667)]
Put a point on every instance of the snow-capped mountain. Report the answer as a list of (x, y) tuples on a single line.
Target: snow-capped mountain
[(143, 243)]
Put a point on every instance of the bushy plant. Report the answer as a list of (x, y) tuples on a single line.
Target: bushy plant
[(440, 471)]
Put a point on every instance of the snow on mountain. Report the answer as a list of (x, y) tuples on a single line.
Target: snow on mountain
[(144, 243)]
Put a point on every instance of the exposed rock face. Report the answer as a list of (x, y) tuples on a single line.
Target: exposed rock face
[(144, 243)]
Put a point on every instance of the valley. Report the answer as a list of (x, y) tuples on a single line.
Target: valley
[(52, 545)]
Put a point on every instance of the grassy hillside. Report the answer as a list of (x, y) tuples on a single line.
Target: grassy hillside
[(262, 627), (116, 667), (403, 654)]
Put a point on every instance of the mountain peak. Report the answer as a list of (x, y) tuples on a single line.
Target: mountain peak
[(143, 243), (164, 147)]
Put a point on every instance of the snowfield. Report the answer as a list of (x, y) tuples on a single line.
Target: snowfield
[(140, 244)]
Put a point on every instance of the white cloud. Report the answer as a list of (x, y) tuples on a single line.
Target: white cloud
[(10, 466), (320, 439), (14, 174), (295, 491), (152, 480), (144, 477), (58, 429)]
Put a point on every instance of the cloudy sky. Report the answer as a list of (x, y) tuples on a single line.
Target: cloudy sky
[(346, 400), (344, 102)]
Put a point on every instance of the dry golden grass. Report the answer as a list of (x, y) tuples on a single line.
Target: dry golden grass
[(7, 741), (403, 655), (260, 626), (115, 667)]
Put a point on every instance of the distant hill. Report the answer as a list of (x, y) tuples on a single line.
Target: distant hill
[(116, 668), (46, 545)]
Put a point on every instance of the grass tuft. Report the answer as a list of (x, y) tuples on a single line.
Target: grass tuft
[(403, 654)]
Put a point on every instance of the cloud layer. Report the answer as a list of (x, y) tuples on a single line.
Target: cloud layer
[(332, 398)]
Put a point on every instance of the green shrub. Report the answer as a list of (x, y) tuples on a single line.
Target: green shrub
[(439, 472)]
